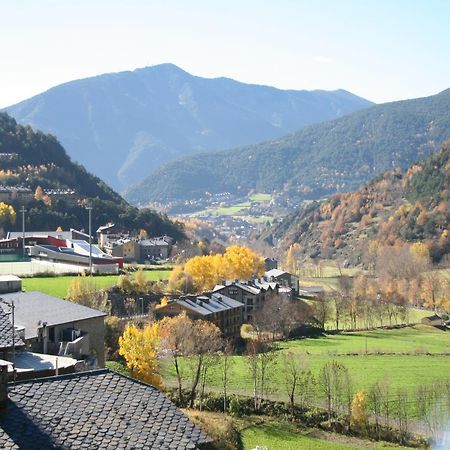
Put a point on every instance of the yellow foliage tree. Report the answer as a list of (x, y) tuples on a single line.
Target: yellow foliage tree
[(140, 281), (420, 251), (38, 194), (7, 214), (358, 415), (243, 262), (140, 349)]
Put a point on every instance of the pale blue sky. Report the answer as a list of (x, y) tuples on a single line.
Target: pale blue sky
[(380, 49)]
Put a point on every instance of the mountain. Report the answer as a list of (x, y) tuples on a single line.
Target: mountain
[(122, 126), (60, 188), (319, 159), (398, 206)]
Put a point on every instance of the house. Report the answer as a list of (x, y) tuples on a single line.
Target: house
[(283, 278), (251, 294), (110, 232), (155, 248), (125, 248), (223, 311), (93, 410), (24, 364), (54, 326), (9, 194)]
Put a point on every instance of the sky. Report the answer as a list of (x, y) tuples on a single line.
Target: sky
[(383, 50)]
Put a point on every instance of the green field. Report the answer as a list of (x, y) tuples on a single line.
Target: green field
[(406, 357), (275, 435), (260, 198), (58, 286)]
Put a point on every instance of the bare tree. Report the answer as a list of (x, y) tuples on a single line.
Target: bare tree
[(260, 359), (375, 405), (334, 381), (322, 310), (294, 366), (226, 362)]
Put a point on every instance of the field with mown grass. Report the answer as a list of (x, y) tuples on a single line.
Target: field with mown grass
[(275, 434), (406, 358), (57, 286)]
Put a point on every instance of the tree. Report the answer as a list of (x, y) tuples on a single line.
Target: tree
[(243, 262), (83, 291), (226, 363), (358, 415), (140, 281), (177, 341), (114, 328), (294, 367), (180, 281), (7, 214), (38, 194), (142, 234), (140, 349), (335, 383), (322, 310)]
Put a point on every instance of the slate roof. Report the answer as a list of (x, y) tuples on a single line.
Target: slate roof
[(6, 335), (275, 273), (34, 307), (93, 410), (207, 305)]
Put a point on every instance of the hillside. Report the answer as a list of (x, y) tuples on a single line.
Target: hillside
[(320, 159), (408, 206), (122, 126), (32, 159)]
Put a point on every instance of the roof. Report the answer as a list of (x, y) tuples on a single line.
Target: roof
[(33, 308), (275, 273), (105, 227), (6, 332), (92, 410), (207, 305), (254, 288), (30, 234), (6, 278), (29, 362)]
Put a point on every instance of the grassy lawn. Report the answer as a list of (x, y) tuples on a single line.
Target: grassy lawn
[(399, 369), (275, 435), (58, 286)]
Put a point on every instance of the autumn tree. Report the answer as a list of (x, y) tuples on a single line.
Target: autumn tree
[(180, 281), (114, 328), (83, 291), (7, 214), (140, 281), (295, 369), (38, 194), (140, 348), (358, 417)]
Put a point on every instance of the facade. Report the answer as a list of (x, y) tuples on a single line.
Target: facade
[(54, 326), (155, 248), (93, 410), (223, 311), (10, 283), (12, 193), (128, 249)]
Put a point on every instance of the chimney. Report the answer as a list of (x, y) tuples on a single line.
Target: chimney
[(4, 382)]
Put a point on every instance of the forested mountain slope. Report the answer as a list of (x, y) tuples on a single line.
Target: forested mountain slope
[(122, 126), (398, 206), (320, 159), (34, 160)]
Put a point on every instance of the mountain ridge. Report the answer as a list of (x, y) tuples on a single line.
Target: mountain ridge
[(317, 160), (123, 125)]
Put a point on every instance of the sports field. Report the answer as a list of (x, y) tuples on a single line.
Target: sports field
[(58, 286)]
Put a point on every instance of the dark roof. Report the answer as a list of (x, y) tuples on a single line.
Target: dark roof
[(33, 308), (6, 332), (92, 410), (205, 306)]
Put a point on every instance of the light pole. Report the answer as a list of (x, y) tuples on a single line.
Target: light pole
[(11, 305), (23, 211), (89, 208), (142, 305)]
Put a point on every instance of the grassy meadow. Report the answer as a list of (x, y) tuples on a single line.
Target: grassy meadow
[(57, 286), (405, 358)]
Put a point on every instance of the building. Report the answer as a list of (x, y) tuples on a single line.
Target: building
[(9, 339), (223, 311), (54, 326), (251, 294), (63, 247), (125, 248), (9, 194), (283, 278), (92, 410), (155, 248)]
